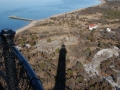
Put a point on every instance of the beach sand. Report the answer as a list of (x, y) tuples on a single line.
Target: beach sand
[(26, 27), (33, 23)]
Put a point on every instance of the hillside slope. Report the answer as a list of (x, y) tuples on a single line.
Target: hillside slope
[(87, 59)]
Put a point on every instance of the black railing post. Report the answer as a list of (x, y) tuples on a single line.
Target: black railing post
[(13, 58), (9, 59)]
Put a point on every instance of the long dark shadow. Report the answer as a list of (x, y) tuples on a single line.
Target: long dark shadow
[(61, 70), (1, 87)]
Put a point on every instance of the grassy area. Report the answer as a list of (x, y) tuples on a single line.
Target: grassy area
[(113, 14)]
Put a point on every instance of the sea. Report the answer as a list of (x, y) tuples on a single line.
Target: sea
[(37, 9)]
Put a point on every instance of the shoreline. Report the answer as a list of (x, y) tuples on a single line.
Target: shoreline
[(33, 23), (26, 27)]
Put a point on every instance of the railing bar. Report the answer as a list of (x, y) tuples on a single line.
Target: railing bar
[(33, 78)]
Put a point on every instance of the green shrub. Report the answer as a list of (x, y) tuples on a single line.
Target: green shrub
[(21, 42), (33, 37), (92, 88), (79, 65), (86, 50), (57, 50), (69, 73), (42, 65), (49, 40), (80, 79), (52, 54)]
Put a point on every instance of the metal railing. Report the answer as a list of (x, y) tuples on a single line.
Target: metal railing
[(15, 72)]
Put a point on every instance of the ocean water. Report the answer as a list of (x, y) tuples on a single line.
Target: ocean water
[(37, 9)]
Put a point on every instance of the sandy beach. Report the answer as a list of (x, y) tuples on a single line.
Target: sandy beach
[(26, 27), (33, 23)]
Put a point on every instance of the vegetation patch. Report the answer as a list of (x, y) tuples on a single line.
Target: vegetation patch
[(42, 65), (69, 73), (49, 40), (57, 50), (80, 79), (112, 14)]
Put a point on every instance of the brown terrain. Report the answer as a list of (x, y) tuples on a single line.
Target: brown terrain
[(58, 47)]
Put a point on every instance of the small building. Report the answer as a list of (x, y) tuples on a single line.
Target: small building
[(108, 29), (92, 26)]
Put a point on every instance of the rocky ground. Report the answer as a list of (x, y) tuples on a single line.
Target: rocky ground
[(88, 60)]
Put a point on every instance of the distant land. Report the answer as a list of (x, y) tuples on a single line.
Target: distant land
[(42, 20), (67, 54), (36, 10)]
